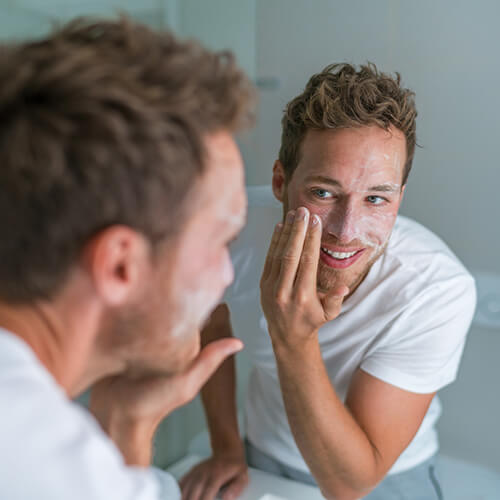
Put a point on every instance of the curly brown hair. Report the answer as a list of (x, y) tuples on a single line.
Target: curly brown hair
[(341, 96), (102, 123)]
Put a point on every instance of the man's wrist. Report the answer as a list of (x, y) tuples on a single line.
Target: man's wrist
[(228, 446), (133, 438), (287, 348)]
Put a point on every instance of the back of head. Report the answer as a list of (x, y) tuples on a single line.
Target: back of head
[(342, 96), (102, 123)]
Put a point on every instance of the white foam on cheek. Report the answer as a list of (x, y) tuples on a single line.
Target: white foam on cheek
[(193, 309), (234, 220), (374, 231), (371, 231)]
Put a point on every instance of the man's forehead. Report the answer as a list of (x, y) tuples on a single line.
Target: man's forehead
[(373, 159)]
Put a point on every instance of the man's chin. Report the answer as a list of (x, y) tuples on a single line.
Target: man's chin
[(329, 278)]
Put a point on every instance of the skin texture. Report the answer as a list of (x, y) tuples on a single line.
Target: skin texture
[(350, 178), (118, 322), (344, 195)]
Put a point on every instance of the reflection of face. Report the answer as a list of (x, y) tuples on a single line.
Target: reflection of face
[(190, 274), (350, 178)]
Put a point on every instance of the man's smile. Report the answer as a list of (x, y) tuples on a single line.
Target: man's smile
[(340, 258)]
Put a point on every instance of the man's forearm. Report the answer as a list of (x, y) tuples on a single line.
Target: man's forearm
[(336, 449), (219, 401), (134, 440), (219, 393)]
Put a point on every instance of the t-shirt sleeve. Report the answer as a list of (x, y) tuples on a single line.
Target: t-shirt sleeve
[(169, 489), (54, 450), (421, 350)]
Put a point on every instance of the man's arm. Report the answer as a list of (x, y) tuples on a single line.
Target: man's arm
[(219, 393), (348, 448), (130, 409), (227, 467)]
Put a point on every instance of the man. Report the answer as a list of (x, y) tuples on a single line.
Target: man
[(361, 315), (114, 250)]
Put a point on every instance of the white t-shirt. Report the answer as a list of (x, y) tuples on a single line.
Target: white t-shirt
[(52, 449), (405, 324)]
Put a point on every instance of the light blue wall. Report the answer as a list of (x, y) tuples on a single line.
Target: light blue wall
[(32, 18)]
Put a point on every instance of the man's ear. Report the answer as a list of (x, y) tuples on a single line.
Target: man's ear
[(118, 260), (279, 185)]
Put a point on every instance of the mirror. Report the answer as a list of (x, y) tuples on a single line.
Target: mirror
[(447, 53)]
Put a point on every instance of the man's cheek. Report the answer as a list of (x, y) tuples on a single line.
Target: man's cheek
[(380, 225)]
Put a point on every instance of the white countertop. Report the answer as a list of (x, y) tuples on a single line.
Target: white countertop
[(262, 486)]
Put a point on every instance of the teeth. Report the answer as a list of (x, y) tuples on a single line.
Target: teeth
[(339, 255)]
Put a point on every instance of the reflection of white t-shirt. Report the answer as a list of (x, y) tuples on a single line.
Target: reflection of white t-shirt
[(51, 449), (405, 324)]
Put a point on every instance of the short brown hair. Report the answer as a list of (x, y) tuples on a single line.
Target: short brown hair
[(341, 96), (102, 123)]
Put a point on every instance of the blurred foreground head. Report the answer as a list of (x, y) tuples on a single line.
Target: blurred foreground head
[(103, 124)]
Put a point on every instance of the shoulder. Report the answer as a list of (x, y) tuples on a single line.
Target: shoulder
[(424, 269), (423, 255)]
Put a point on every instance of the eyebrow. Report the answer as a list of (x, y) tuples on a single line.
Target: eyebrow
[(381, 188)]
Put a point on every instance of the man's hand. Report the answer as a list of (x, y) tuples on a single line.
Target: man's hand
[(291, 303), (130, 409), (225, 472)]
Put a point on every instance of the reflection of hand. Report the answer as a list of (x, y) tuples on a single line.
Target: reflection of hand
[(291, 303), (130, 409), (226, 471)]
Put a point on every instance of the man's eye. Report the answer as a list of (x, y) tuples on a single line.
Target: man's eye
[(322, 193), (375, 200)]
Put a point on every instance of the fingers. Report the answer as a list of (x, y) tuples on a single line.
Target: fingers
[(191, 488), (235, 487), (207, 362), (290, 256), (308, 266), (204, 481), (332, 301), (193, 484), (280, 246), (271, 252)]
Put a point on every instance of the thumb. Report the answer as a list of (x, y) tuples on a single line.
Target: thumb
[(210, 358), (332, 301)]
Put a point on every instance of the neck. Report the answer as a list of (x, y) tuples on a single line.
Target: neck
[(42, 330), (62, 334)]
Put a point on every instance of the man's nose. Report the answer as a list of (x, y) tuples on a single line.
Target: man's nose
[(343, 222)]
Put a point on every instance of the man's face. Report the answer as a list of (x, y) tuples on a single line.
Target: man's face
[(188, 277), (352, 179)]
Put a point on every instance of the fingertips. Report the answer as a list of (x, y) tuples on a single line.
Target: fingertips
[(233, 345), (235, 488), (341, 291), (314, 222), (214, 353)]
